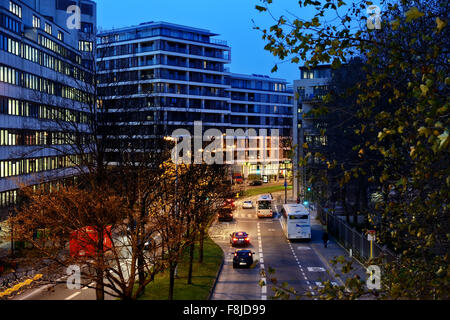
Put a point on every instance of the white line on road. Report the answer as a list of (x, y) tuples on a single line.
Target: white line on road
[(91, 285), (72, 296), (316, 269)]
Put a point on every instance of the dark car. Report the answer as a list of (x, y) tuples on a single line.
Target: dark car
[(256, 183), (239, 238), (226, 214), (243, 258)]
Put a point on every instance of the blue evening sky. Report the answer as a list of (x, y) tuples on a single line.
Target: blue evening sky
[(231, 19)]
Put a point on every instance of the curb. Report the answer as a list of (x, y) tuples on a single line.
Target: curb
[(211, 290)]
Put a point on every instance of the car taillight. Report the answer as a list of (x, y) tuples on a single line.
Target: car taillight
[(247, 239), (235, 254), (234, 239), (249, 254)]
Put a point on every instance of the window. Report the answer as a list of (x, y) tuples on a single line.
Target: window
[(36, 22), (15, 9), (87, 27), (85, 46), (60, 36), (48, 28)]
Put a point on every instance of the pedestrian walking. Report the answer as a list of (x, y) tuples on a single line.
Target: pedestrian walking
[(325, 238)]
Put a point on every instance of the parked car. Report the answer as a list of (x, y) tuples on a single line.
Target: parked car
[(256, 183), (243, 258), (237, 179), (239, 238), (226, 214), (247, 204)]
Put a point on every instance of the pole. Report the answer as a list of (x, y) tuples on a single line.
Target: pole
[(12, 235), (285, 184), (176, 185), (371, 249)]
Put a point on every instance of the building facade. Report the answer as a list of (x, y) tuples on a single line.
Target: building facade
[(158, 77), (259, 102), (44, 65), (309, 92)]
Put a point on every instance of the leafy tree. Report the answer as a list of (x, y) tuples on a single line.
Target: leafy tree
[(403, 103)]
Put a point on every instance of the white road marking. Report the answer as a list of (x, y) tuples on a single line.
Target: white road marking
[(261, 260), (72, 296), (321, 285), (316, 269), (89, 285), (303, 248)]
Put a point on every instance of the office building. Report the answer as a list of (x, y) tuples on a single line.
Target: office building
[(44, 66), (309, 92)]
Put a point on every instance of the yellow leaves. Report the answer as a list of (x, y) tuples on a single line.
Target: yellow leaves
[(444, 140), (19, 286), (412, 152), (424, 89), (413, 14), (424, 131), (440, 24), (395, 24), (305, 146)]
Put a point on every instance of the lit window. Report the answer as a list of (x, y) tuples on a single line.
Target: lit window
[(15, 9), (36, 22), (48, 28), (85, 46), (60, 36)]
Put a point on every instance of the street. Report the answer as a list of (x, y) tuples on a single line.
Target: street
[(303, 265)]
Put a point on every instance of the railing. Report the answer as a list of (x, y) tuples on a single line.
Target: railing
[(219, 42), (350, 238)]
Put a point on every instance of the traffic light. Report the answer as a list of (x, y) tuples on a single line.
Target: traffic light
[(309, 189)]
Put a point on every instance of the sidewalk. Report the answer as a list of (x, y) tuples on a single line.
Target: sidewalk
[(333, 251)]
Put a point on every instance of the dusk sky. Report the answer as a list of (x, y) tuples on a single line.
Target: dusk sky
[(231, 19)]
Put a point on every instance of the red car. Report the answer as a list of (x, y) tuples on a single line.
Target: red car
[(239, 238), (230, 202)]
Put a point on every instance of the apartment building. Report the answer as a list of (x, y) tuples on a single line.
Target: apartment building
[(158, 76), (309, 91), (45, 62), (260, 102), (173, 75)]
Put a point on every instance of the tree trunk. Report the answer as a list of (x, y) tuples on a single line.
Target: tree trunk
[(191, 262), (100, 287), (140, 259), (171, 279), (200, 247)]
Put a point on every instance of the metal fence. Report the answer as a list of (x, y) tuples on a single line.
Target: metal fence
[(350, 238)]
